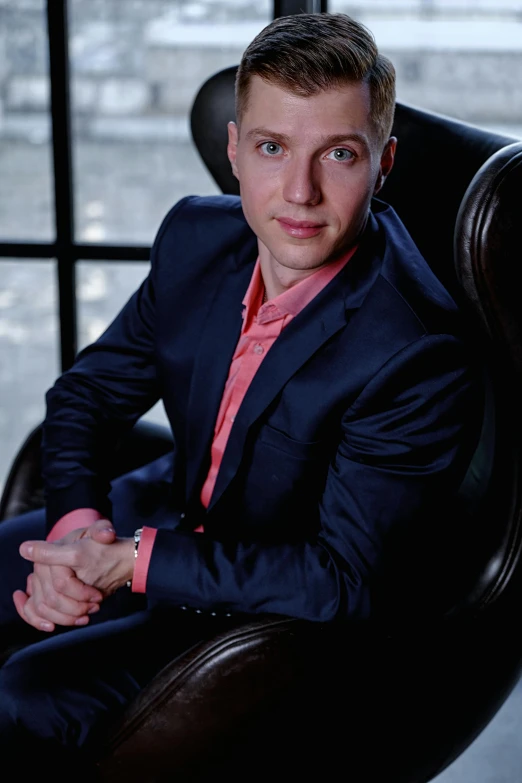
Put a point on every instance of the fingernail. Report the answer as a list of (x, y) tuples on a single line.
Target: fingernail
[(81, 621), (46, 626), (93, 609), (29, 550)]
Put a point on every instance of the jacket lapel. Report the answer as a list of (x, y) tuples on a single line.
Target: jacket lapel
[(218, 341)]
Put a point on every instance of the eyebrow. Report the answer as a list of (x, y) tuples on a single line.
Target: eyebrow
[(325, 141)]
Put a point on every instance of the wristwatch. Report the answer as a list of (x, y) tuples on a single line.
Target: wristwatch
[(137, 539)]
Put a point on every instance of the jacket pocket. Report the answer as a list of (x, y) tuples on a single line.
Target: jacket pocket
[(294, 448)]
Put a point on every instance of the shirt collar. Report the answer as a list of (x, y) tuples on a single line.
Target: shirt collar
[(295, 299)]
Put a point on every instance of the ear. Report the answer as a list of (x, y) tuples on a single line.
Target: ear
[(386, 164), (232, 146)]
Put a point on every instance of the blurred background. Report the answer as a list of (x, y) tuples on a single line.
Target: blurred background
[(135, 66)]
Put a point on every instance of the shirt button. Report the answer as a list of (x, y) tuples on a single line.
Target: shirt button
[(258, 348)]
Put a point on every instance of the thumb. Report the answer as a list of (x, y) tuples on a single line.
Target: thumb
[(101, 531)]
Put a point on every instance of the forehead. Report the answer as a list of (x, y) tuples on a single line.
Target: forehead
[(343, 108)]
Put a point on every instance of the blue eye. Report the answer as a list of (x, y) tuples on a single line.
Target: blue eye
[(271, 148), (341, 155)]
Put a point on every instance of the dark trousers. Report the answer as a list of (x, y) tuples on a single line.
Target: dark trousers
[(60, 692)]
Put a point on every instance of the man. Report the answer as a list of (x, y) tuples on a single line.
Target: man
[(318, 384)]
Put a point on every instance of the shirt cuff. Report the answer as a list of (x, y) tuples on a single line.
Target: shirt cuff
[(80, 517), (141, 566)]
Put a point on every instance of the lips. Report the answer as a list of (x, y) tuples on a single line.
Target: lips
[(302, 229)]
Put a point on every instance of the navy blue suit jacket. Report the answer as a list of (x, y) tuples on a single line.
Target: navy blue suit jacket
[(338, 479)]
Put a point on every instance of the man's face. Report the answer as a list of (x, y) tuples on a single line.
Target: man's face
[(307, 168)]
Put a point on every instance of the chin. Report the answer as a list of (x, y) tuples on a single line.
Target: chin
[(296, 262), (301, 258)]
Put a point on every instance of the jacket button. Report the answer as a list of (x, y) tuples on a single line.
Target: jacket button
[(182, 515)]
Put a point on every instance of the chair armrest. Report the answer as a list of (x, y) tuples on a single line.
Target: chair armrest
[(203, 709), (23, 489)]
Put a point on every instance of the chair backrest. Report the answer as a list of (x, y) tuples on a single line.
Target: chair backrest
[(486, 257), (459, 234), (409, 704)]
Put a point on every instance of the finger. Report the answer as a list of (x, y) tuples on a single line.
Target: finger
[(39, 609), (101, 531), (47, 614), (50, 554), (24, 609), (74, 588), (64, 581), (20, 599), (45, 605), (49, 599)]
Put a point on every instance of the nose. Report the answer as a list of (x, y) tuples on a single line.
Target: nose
[(301, 184)]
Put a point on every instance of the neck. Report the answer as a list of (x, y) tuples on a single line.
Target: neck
[(277, 278)]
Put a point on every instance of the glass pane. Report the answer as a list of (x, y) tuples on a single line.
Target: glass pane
[(136, 67), (26, 210), (462, 58), (29, 359), (102, 289)]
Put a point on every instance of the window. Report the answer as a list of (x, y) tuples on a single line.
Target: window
[(135, 70), (29, 360), (121, 76), (26, 202), (462, 58)]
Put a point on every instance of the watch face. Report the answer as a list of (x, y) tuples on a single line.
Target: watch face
[(137, 538)]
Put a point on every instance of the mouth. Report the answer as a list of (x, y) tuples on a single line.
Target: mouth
[(301, 229)]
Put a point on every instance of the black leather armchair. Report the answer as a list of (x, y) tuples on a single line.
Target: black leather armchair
[(275, 697)]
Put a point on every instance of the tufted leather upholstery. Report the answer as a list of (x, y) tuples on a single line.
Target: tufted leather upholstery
[(272, 697)]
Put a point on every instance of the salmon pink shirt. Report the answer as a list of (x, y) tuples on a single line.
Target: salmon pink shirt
[(262, 325)]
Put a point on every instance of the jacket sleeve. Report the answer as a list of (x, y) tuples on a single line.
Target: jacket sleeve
[(404, 447), (111, 384)]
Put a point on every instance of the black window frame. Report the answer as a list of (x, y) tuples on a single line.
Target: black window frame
[(64, 249)]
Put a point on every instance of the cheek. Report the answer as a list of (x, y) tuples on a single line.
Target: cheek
[(251, 202), (253, 208), (349, 196), (258, 175), (256, 192)]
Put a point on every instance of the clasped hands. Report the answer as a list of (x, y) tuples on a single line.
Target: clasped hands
[(73, 575)]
